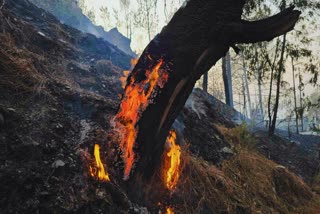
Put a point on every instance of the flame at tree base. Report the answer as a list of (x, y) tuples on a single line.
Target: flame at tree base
[(136, 98), (172, 161), (98, 170)]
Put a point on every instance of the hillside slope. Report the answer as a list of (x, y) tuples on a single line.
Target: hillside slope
[(68, 12)]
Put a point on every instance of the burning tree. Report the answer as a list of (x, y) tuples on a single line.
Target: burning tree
[(198, 35)]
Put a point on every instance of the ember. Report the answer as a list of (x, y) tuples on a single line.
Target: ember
[(169, 210), (171, 165), (126, 73), (123, 79), (98, 170), (134, 102)]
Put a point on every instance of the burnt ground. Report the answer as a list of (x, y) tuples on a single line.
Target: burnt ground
[(58, 91), (51, 81), (300, 153)]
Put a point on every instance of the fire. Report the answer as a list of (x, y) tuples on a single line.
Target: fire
[(124, 78), (169, 210), (172, 161), (135, 100), (126, 73), (134, 62), (98, 170)]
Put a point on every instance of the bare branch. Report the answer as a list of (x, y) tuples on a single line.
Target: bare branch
[(266, 29)]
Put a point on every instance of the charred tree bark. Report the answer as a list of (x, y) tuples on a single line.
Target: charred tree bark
[(198, 35), (205, 82)]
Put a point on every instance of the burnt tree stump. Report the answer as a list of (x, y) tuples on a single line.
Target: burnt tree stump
[(199, 34)]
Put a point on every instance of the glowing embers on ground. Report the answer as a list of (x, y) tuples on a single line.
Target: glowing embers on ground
[(169, 210), (172, 161), (136, 98), (98, 170)]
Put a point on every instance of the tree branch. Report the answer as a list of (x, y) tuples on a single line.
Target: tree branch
[(266, 29)]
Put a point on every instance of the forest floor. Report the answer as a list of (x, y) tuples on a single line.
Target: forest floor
[(300, 153)]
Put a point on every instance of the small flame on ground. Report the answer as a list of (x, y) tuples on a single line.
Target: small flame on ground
[(169, 210), (135, 100), (98, 170), (172, 161)]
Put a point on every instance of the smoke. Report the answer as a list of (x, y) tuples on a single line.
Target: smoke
[(196, 106)]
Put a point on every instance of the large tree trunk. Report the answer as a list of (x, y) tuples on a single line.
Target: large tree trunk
[(198, 35)]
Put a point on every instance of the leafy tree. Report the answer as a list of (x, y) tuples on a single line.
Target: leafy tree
[(272, 57), (146, 16), (125, 6)]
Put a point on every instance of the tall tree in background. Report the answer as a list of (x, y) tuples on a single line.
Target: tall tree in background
[(274, 54), (227, 79), (295, 93), (125, 6), (259, 67), (246, 86), (295, 53), (92, 16), (272, 125), (146, 16), (105, 15)]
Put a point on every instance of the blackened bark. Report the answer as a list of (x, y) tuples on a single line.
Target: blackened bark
[(198, 35), (205, 82)]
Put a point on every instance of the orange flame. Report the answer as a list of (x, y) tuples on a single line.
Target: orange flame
[(126, 73), (135, 100), (123, 79), (98, 170), (134, 62), (172, 161), (169, 210)]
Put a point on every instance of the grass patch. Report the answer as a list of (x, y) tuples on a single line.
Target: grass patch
[(246, 183)]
